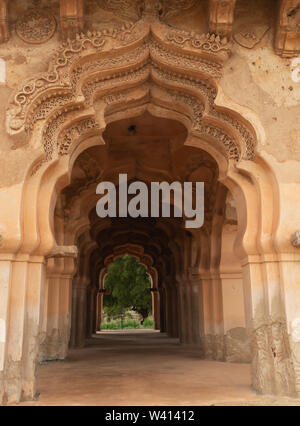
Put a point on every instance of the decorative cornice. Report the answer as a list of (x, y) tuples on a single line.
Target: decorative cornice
[(287, 39)]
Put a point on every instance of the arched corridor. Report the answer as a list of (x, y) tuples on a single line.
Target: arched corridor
[(196, 277), (145, 101)]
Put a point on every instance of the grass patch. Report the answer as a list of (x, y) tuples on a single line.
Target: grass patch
[(128, 324)]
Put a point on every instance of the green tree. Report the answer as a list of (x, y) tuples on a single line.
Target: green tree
[(129, 284)]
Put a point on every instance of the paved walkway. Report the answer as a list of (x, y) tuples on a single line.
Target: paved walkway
[(144, 368)]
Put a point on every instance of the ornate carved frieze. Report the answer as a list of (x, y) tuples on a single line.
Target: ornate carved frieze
[(3, 21), (36, 26), (209, 93), (71, 18), (81, 128), (59, 76), (56, 78), (191, 62), (94, 65), (287, 39), (44, 108), (52, 130), (206, 42), (91, 88), (221, 16)]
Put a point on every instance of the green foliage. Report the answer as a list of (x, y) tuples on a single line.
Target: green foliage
[(128, 324), (148, 323), (129, 284)]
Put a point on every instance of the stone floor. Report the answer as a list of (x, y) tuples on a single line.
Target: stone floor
[(144, 368)]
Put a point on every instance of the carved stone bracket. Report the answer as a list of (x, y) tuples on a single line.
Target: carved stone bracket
[(287, 40), (3, 21), (296, 239), (71, 18), (63, 251), (221, 16)]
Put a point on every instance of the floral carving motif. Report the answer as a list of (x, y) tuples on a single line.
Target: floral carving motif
[(73, 132), (90, 89), (36, 26), (73, 83), (45, 107), (190, 61), (206, 42), (68, 52)]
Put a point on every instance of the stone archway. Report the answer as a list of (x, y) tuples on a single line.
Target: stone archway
[(144, 259), (104, 77)]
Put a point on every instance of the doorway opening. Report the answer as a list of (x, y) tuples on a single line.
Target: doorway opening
[(127, 299)]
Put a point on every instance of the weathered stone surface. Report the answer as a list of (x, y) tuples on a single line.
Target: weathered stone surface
[(63, 251), (238, 345), (296, 239)]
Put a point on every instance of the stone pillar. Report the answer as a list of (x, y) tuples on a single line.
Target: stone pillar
[(237, 339), (65, 308), (162, 310), (91, 311), (272, 369), (290, 273), (88, 311), (172, 310), (78, 329), (56, 325), (185, 304), (156, 309), (182, 329), (21, 290), (175, 306), (169, 308), (196, 306), (206, 321), (5, 286), (218, 322)]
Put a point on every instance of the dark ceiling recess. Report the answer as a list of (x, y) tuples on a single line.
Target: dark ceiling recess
[(132, 128)]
